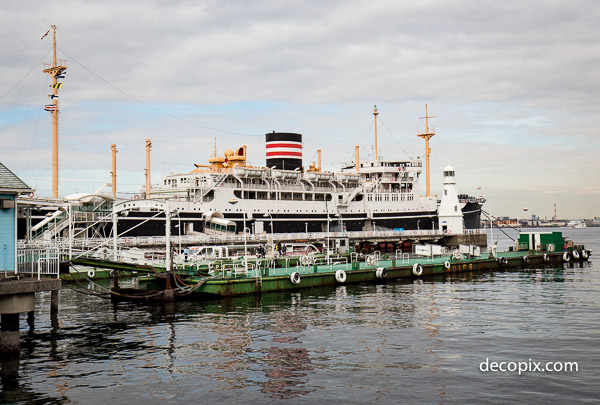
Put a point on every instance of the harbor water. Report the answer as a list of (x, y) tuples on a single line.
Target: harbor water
[(410, 341)]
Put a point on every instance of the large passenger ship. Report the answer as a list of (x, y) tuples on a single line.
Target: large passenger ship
[(228, 195)]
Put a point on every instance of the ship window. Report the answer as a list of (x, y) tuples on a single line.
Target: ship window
[(445, 192), (456, 208)]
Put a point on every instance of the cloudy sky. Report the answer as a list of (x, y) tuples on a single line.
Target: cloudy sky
[(514, 87)]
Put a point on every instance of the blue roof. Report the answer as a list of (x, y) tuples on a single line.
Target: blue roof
[(10, 182)]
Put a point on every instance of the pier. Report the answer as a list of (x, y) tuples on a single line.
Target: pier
[(17, 296)]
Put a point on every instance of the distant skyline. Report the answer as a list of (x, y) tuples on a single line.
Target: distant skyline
[(513, 87)]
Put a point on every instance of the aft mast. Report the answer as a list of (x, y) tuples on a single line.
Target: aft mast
[(427, 136), (55, 71)]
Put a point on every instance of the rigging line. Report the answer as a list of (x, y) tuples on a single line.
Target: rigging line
[(327, 147), (37, 122), (27, 74), (491, 216), (312, 157), (368, 135), (396, 140), (152, 107), (438, 142)]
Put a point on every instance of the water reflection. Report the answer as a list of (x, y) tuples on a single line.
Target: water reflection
[(286, 360), (405, 341)]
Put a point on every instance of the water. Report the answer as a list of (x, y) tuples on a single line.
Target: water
[(410, 341)]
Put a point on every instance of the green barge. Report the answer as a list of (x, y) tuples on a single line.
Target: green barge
[(231, 276), (234, 280)]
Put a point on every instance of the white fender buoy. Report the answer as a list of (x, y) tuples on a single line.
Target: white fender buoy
[(526, 259), (566, 257), (575, 254), (546, 257), (91, 273), (446, 264), (584, 254), (381, 273), (295, 277), (340, 276), (417, 269)]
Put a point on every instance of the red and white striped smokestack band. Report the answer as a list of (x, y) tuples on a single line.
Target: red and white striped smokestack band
[(283, 149)]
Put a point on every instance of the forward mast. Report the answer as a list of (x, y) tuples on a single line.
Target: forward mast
[(55, 71)]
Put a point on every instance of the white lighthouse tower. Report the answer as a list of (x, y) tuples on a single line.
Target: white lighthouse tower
[(449, 213)]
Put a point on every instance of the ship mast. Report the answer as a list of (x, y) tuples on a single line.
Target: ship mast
[(427, 136), (375, 113), (54, 72)]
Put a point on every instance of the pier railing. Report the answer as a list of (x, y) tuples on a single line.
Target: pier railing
[(43, 262)]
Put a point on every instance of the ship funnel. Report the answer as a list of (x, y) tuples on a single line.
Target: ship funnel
[(284, 150)]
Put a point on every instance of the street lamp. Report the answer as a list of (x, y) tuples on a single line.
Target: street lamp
[(267, 215), (234, 201), (489, 215), (327, 236), (340, 222)]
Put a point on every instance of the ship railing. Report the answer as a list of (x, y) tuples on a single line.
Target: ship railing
[(182, 240), (334, 261)]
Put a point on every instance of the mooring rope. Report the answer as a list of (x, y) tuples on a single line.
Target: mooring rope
[(501, 230)]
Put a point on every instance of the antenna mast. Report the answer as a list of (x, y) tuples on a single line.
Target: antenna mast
[(427, 136), (55, 71), (375, 113)]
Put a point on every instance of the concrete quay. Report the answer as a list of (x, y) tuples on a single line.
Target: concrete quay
[(17, 295)]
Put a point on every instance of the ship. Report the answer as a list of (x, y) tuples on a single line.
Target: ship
[(577, 223), (228, 195)]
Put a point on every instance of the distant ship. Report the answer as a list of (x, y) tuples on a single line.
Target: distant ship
[(577, 223)]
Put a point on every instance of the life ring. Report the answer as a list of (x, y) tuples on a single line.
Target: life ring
[(546, 257), (446, 264), (91, 273), (526, 259), (135, 197), (340, 276), (417, 269), (31, 195), (575, 254), (584, 254), (550, 247), (295, 277), (502, 260), (371, 260), (381, 273), (457, 255), (566, 257), (258, 262)]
